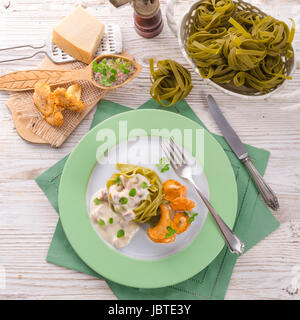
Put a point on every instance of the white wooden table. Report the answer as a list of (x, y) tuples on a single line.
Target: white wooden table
[(270, 270)]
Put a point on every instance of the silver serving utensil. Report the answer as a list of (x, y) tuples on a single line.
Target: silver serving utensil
[(111, 43), (181, 167), (240, 151)]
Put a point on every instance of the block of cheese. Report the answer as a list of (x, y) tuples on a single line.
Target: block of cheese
[(79, 35)]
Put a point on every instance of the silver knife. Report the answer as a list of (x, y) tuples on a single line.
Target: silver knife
[(241, 152)]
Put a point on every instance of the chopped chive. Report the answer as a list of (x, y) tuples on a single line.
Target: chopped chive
[(120, 233), (111, 220), (97, 201), (101, 222), (123, 200), (144, 185), (132, 192)]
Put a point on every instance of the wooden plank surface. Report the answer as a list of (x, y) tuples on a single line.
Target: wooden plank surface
[(270, 270)]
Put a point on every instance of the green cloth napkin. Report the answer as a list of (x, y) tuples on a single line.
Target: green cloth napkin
[(254, 221)]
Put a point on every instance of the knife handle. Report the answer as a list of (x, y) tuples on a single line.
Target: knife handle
[(266, 192), (235, 245)]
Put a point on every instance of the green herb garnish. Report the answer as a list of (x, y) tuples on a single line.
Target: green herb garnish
[(132, 192), (109, 70), (96, 66), (192, 218), (163, 164), (112, 78), (118, 181), (101, 222), (120, 233), (97, 201), (165, 168), (111, 220), (171, 231), (123, 200), (144, 185)]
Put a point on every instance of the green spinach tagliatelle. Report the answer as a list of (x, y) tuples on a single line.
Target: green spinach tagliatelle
[(229, 44)]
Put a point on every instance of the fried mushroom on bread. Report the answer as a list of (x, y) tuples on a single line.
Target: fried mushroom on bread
[(51, 104)]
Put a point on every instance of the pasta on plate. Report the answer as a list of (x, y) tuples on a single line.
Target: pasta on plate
[(134, 196), (148, 207)]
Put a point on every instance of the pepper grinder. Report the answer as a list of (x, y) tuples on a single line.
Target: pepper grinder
[(148, 20)]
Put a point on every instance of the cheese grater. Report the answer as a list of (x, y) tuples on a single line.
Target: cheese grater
[(111, 43)]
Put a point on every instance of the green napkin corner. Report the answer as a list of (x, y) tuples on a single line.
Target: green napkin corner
[(254, 221)]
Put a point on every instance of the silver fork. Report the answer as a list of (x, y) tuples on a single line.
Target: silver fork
[(181, 167)]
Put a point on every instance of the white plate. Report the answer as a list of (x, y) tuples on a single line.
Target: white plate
[(140, 152)]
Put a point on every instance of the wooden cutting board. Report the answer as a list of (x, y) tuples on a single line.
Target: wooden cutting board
[(30, 124)]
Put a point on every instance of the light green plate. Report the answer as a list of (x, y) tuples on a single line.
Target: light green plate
[(107, 261)]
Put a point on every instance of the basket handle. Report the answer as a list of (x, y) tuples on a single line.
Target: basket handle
[(171, 18)]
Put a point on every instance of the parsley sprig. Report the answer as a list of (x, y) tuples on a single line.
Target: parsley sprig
[(191, 215), (144, 185), (111, 220), (97, 201), (163, 164), (123, 200), (120, 233), (118, 181), (171, 231), (132, 192), (101, 222)]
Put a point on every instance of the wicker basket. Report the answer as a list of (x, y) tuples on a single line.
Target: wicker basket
[(183, 32)]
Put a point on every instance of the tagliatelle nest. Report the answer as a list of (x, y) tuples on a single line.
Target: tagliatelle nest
[(171, 82)]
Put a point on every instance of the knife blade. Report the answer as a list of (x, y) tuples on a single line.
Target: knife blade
[(230, 135), (238, 148)]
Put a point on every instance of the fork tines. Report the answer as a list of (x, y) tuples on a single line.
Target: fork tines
[(174, 154)]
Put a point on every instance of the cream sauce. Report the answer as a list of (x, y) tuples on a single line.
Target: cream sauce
[(109, 231), (123, 214), (117, 192)]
